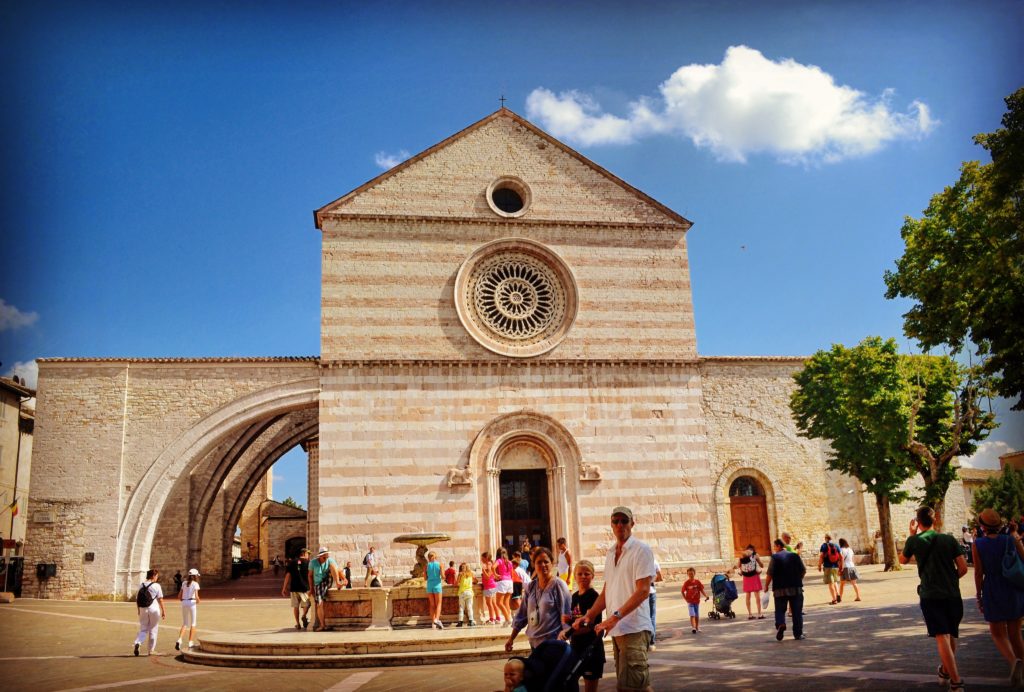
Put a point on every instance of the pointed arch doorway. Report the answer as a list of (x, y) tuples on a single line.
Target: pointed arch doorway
[(523, 489)]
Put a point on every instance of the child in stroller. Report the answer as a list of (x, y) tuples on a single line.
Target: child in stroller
[(551, 667), (723, 593)]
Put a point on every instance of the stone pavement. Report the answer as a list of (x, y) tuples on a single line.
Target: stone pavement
[(878, 644)]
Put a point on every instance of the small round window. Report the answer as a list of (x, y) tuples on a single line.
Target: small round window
[(509, 197)]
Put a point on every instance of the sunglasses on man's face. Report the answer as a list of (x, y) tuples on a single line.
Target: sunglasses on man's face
[(623, 522)]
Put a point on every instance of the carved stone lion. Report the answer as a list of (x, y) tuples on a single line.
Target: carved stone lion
[(459, 476), (590, 472)]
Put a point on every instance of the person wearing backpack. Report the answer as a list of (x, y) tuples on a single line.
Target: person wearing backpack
[(829, 562), (150, 603), (369, 562)]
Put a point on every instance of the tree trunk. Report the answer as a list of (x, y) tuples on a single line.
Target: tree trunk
[(892, 563), (938, 504)]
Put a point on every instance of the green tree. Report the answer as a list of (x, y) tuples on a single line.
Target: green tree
[(888, 416), (963, 262), (291, 503), (943, 419), (853, 398), (1003, 493)]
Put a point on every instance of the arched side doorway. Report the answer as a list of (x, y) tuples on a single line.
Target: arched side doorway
[(525, 453), (748, 507), (753, 511)]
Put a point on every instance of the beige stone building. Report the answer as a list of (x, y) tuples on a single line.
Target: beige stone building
[(508, 350), (17, 419)]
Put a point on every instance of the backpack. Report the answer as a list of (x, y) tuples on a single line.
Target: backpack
[(144, 598), (832, 553), (366, 560)]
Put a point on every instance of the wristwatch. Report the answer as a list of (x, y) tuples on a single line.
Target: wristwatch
[(616, 614)]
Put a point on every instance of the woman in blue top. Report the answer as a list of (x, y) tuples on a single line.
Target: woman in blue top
[(545, 600), (434, 587), (999, 600)]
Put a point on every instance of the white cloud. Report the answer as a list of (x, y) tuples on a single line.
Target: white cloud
[(13, 318), (987, 455), (746, 105), (28, 371), (387, 161)]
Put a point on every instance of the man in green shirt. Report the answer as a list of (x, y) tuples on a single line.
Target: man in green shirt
[(940, 565)]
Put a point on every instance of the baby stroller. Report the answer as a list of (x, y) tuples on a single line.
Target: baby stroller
[(554, 667), (723, 593)]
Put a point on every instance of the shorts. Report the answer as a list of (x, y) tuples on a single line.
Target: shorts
[(489, 593), (942, 615), (434, 588), (188, 613), (505, 586), (694, 609), (320, 590), (631, 668), (850, 574), (300, 598), (830, 575)]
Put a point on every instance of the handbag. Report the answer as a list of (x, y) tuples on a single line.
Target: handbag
[(1013, 568)]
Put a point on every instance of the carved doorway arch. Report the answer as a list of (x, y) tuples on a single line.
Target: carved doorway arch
[(497, 443)]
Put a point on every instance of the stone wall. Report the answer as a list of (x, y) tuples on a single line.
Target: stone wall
[(390, 433), (100, 425)]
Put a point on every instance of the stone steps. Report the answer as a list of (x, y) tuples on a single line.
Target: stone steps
[(348, 650)]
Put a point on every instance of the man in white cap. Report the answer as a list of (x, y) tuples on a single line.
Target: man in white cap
[(628, 570), (323, 576)]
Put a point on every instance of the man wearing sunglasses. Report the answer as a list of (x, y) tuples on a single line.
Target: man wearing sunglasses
[(627, 585)]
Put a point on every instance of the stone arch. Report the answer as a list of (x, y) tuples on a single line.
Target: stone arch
[(774, 499), (277, 449), (144, 507), (563, 472)]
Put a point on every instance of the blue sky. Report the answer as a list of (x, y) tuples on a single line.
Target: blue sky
[(162, 160)]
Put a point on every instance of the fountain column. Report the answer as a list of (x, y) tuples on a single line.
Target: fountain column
[(312, 448)]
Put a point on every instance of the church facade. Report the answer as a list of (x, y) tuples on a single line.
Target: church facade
[(508, 351)]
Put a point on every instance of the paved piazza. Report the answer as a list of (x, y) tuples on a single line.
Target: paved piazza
[(876, 644)]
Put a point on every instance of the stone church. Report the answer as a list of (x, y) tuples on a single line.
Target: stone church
[(508, 350)]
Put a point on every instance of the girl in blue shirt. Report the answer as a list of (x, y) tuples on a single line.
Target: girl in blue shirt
[(434, 587)]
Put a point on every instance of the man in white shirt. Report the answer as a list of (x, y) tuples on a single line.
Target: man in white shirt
[(628, 571), (152, 613), (370, 562)]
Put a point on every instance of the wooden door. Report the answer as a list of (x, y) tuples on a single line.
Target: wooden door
[(750, 524), (524, 508)]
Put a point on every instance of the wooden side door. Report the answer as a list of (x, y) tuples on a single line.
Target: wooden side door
[(750, 524)]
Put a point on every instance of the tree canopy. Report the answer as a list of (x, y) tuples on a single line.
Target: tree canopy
[(291, 502), (963, 261), (1003, 493)]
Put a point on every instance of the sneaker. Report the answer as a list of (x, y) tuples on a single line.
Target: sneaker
[(177, 645), (472, 624), (440, 625), (799, 636), (191, 645), (780, 632), (459, 623), (136, 649)]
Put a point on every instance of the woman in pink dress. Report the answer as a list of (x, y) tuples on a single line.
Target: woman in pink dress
[(750, 567)]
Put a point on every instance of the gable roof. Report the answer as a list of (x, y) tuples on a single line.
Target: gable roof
[(336, 208)]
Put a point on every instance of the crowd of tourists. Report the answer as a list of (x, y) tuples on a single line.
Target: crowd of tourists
[(549, 595)]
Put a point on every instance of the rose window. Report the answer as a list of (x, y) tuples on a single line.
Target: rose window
[(516, 297)]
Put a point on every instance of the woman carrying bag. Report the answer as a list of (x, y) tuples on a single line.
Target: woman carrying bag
[(999, 600)]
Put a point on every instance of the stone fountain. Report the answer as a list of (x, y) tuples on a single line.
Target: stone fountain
[(417, 575)]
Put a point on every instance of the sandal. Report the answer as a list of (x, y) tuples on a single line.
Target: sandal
[(943, 675), (760, 617), (956, 685), (751, 617)]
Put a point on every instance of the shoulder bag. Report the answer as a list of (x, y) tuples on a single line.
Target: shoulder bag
[(1013, 568)]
